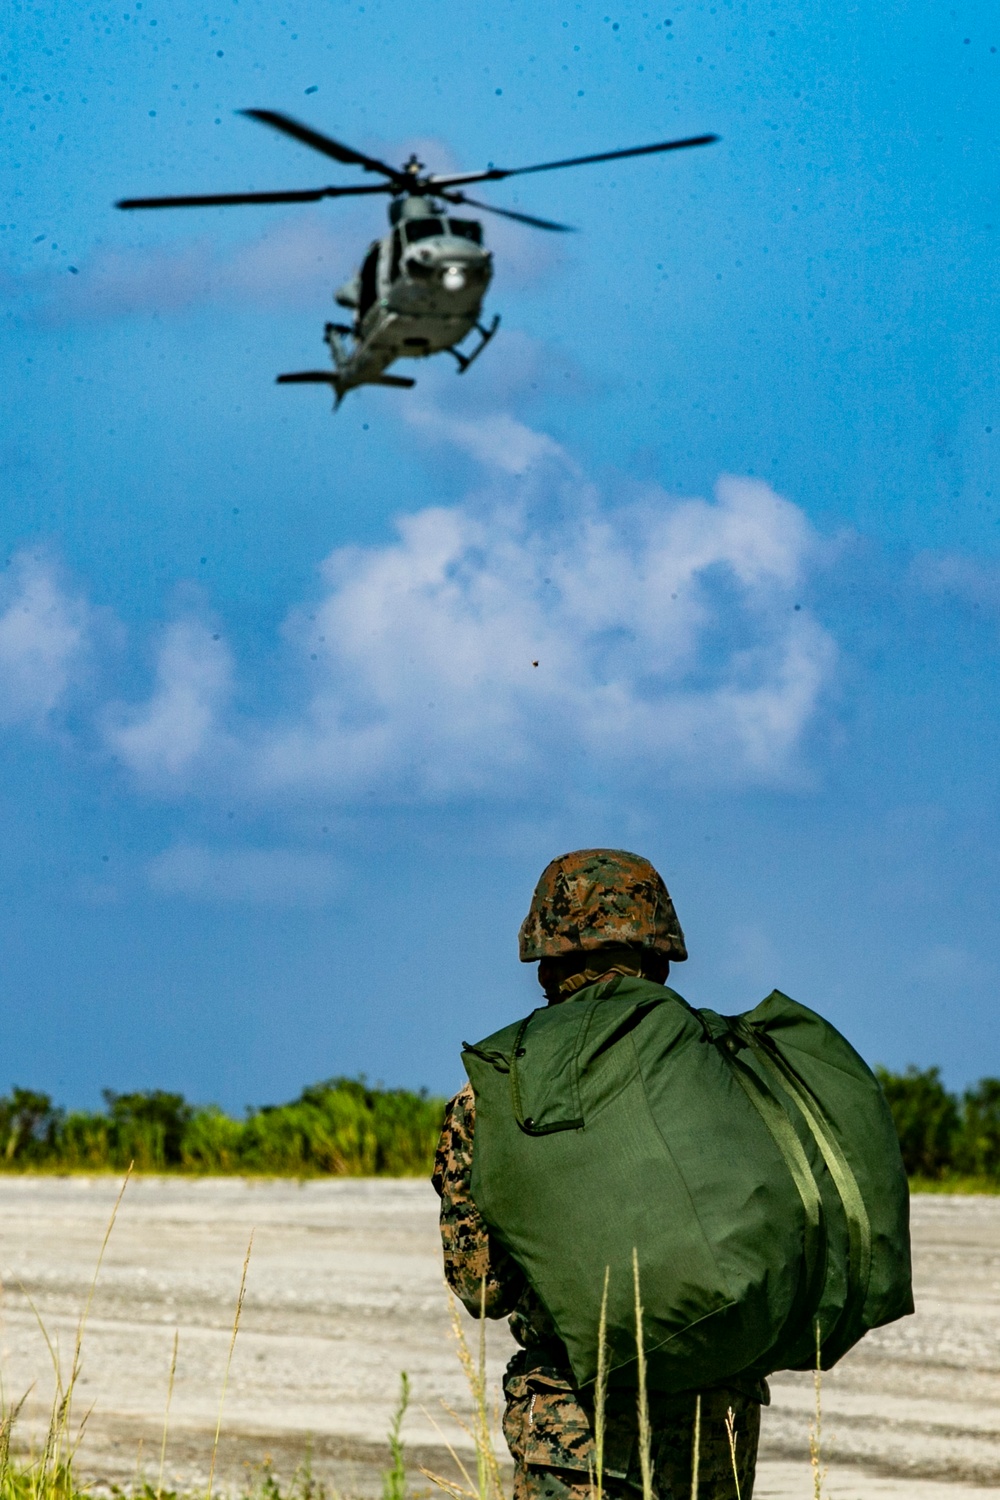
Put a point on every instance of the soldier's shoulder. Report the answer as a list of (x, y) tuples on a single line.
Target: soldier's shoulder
[(460, 1114), (465, 1099), (453, 1158)]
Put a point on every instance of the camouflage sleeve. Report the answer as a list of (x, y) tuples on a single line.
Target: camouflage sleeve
[(470, 1253)]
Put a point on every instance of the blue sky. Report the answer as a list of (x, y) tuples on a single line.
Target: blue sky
[(278, 774)]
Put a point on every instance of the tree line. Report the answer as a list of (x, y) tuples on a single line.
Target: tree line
[(343, 1127), (348, 1128), (944, 1135)]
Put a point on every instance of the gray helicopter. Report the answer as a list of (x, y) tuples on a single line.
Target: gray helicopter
[(420, 289)]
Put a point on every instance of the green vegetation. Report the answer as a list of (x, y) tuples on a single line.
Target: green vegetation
[(394, 1478), (24, 1478), (950, 1143), (342, 1127)]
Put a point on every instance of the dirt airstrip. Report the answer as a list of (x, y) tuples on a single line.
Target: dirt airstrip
[(344, 1291)]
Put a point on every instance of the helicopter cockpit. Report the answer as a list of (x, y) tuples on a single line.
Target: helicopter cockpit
[(413, 231), (425, 229), (429, 248), (422, 229), (456, 259)]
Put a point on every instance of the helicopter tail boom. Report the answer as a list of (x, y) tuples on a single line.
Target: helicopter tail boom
[(339, 385)]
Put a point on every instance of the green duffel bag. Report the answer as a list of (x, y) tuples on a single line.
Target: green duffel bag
[(749, 1161)]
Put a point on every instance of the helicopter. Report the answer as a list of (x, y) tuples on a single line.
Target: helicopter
[(419, 289)]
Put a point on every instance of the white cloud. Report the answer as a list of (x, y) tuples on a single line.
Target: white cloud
[(295, 262), (43, 641), (666, 637), (540, 645), (270, 877), (177, 730), (497, 439)]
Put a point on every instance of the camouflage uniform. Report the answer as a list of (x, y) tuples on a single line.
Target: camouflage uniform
[(547, 1422)]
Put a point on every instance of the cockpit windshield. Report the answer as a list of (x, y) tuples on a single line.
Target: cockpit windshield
[(422, 229), (467, 229)]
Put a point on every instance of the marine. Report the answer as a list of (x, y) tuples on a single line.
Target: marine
[(596, 914)]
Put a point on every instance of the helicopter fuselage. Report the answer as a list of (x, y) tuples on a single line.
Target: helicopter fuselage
[(419, 291)]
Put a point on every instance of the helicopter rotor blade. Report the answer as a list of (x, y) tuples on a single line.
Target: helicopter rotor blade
[(307, 377), (496, 174), (221, 200), (322, 143), (510, 213)]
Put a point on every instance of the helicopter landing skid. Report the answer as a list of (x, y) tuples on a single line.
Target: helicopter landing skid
[(485, 334)]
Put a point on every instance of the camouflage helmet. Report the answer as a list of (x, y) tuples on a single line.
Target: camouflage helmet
[(597, 897)]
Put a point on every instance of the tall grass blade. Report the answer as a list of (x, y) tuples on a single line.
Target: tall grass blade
[(489, 1484), (82, 1325), (53, 1352), (44, 1464), (816, 1425), (56, 1466), (482, 1410), (645, 1442), (166, 1413), (138, 1467), (229, 1361), (696, 1448), (449, 1484), (457, 1491), (394, 1478), (731, 1434), (6, 1428), (601, 1391)]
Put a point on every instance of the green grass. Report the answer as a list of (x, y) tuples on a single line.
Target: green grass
[(953, 1182), (342, 1127), (24, 1480)]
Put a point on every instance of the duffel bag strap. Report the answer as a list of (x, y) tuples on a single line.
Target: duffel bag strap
[(729, 1043), (858, 1223)]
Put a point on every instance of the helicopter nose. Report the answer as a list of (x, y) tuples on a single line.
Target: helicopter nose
[(453, 278)]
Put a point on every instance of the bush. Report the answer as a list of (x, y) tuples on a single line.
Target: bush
[(147, 1129), (29, 1127), (212, 1142), (341, 1127), (944, 1138), (978, 1148), (926, 1118), (84, 1144)]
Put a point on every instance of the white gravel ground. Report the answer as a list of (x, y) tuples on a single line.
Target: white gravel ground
[(345, 1291)]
